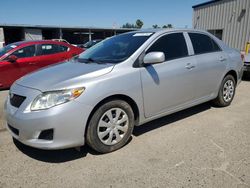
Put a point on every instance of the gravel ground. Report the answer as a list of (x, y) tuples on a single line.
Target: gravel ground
[(199, 147), (3, 95)]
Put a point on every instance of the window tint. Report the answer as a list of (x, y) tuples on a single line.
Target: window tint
[(47, 49), (62, 48), (28, 51), (172, 45), (216, 32), (115, 49), (203, 43), (7, 48)]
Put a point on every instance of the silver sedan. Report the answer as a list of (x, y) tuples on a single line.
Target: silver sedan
[(121, 82)]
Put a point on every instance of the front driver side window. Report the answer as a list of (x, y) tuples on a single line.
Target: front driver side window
[(172, 45), (28, 51)]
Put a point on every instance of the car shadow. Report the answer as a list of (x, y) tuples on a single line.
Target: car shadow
[(57, 156), (166, 120), (65, 155), (54, 156)]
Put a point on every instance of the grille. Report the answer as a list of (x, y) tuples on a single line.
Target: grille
[(16, 100), (14, 130)]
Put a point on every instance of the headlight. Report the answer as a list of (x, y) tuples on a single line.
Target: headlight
[(52, 98)]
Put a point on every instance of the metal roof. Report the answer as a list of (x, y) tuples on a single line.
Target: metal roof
[(65, 27), (205, 3)]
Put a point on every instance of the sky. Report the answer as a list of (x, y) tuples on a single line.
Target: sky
[(98, 13)]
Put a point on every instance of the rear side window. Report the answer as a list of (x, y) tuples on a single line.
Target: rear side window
[(203, 43), (28, 51), (47, 49), (62, 48), (172, 45)]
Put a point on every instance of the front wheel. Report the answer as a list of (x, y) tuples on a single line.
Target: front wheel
[(111, 126), (226, 92)]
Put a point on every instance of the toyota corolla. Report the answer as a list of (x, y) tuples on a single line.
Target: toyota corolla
[(121, 82)]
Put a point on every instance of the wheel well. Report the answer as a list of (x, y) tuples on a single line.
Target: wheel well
[(234, 74), (130, 101)]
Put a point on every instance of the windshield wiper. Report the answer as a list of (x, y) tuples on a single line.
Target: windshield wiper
[(90, 60)]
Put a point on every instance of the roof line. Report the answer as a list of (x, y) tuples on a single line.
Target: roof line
[(65, 27), (205, 3)]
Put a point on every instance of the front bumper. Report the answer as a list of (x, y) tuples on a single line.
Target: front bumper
[(68, 121)]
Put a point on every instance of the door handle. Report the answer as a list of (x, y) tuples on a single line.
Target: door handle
[(190, 66), (32, 63)]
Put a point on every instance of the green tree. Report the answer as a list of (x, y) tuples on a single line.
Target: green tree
[(139, 23), (155, 26), (129, 25), (168, 26)]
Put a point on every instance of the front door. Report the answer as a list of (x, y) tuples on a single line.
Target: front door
[(25, 63), (9, 72), (168, 85)]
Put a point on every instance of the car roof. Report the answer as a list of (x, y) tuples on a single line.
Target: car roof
[(164, 30), (22, 43)]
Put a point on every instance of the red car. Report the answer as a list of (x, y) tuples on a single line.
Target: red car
[(20, 58)]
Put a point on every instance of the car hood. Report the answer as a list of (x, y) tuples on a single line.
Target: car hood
[(64, 75)]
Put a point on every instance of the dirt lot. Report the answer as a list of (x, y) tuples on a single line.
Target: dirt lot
[(199, 147), (3, 95)]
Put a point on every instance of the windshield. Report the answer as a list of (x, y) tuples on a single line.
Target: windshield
[(6, 49), (115, 49)]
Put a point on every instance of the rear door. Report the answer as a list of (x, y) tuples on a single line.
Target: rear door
[(210, 66), (168, 85), (51, 53)]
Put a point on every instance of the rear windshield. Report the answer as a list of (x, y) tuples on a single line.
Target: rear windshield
[(7, 48), (115, 49)]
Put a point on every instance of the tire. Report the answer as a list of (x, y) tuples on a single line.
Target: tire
[(110, 127), (222, 100)]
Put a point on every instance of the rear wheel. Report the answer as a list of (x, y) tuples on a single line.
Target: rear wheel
[(227, 92), (111, 126)]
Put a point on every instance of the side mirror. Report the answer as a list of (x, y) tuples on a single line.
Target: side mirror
[(154, 58), (12, 58)]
